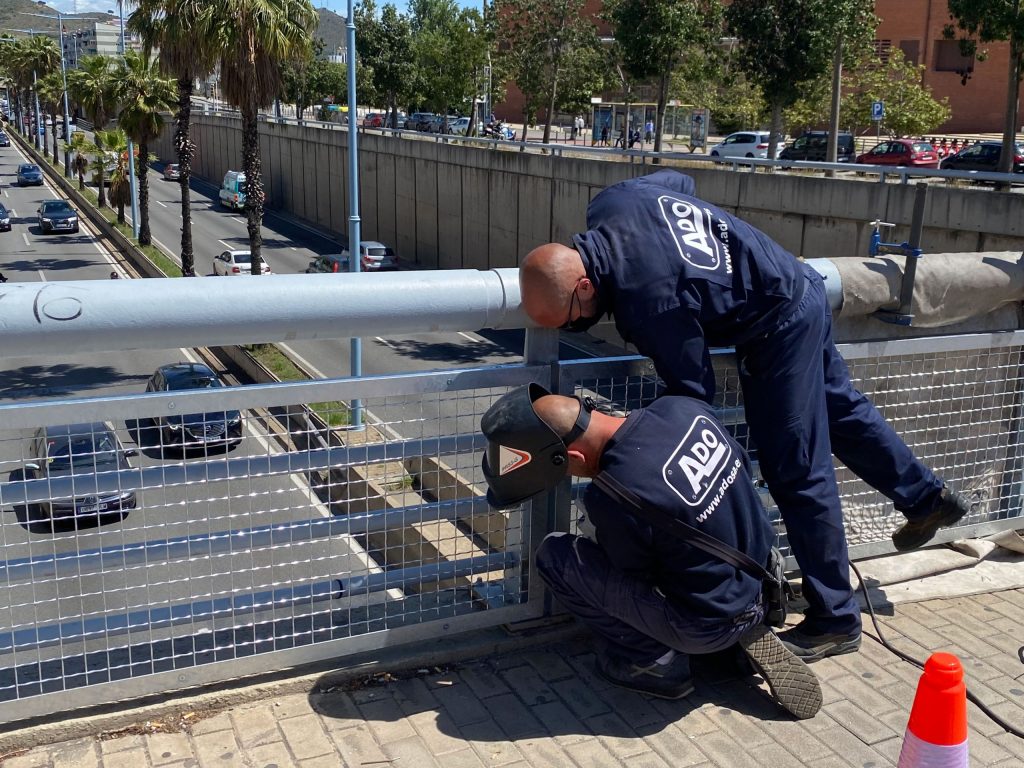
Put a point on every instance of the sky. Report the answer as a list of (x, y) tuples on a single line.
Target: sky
[(338, 6)]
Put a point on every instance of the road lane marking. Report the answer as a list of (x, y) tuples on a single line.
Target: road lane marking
[(25, 238), (229, 245), (161, 202), (41, 275), (303, 361), (467, 336), (385, 342)]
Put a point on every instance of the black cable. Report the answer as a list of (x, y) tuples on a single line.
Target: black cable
[(920, 665)]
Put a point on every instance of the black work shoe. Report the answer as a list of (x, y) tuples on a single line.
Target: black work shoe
[(949, 508), (815, 647), (667, 681), (792, 682)]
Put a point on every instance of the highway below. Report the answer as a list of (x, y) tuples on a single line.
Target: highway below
[(163, 512)]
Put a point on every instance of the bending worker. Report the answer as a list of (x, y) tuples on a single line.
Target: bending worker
[(651, 597), (681, 275)]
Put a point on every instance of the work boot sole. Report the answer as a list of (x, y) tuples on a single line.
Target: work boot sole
[(791, 682), (807, 655)]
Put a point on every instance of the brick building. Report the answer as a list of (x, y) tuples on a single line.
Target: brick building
[(915, 27)]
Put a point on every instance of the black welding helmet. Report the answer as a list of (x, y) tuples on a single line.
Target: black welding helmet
[(524, 456)]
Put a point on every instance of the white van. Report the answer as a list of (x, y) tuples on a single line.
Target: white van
[(232, 190)]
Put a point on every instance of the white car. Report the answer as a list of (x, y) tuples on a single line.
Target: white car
[(236, 263), (374, 257), (745, 144), (460, 126)]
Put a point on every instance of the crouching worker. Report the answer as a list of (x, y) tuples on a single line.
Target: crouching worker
[(651, 598)]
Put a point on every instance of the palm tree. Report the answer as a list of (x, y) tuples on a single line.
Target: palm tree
[(254, 37), (171, 26), (94, 86), (81, 146), (145, 94), (51, 95), (35, 57), (114, 145)]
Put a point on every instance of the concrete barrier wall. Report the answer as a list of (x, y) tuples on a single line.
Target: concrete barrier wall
[(443, 205)]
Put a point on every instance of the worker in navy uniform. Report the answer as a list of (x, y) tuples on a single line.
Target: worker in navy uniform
[(680, 276), (651, 598)]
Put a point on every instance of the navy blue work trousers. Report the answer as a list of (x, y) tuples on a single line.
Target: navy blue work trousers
[(630, 615), (801, 408)]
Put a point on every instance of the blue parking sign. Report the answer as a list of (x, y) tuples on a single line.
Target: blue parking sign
[(877, 110)]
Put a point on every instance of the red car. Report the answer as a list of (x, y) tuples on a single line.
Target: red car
[(373, 120), (905, 152)]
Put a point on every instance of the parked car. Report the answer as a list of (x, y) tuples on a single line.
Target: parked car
[(902, 152), (983, 156), (29, 174), (460, 127), (374, 257), (5, 140), (437, 123), (56, 216), (232, 190), (192, 430), (5, 219), (172, 172), (424, 120), (744, 144), (813, 146), (412, 122), (373, 120), (81, 451), (329, 262), (237, 262)]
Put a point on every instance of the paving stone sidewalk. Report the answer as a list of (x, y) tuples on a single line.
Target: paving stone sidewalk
[(543, 706)]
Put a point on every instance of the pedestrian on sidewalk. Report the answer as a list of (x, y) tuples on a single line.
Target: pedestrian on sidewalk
[(652, 598), (649, 132), (681, 275)]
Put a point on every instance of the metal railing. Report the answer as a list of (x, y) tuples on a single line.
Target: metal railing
[(239, 533)]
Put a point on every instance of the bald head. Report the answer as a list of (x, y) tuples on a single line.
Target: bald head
[(547, 278), (559, 413)]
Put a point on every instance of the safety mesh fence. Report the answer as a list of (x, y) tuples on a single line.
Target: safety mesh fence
[(257, 530), (138, 546)]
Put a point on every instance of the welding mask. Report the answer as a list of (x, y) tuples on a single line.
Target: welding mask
[(524, 456)]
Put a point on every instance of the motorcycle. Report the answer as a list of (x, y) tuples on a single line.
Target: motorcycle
[(499, 131)]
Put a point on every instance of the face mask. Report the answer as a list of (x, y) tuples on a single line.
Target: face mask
[(581, 324)]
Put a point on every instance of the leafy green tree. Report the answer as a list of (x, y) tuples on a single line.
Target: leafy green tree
[(783, 45), (854, 29), (32, 58), (170, 27), (910, 108), (146, 94), (656, 37), (112, 148), (549, 48), (94, 86), (451, 50), (385, 46), (253, 38), (985, 21)]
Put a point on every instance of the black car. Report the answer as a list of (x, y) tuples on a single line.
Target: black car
[(82, 451), (57, 216), (192, 430), (29, 174), (5, 219), (5, 140), (813, 146), (983, 156)]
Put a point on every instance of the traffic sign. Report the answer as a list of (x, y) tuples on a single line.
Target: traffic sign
[(877, 110)]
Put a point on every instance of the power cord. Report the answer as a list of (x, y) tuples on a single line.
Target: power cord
[(920, 665)]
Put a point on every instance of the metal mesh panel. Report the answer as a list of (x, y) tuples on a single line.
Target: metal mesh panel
[(137, 546)]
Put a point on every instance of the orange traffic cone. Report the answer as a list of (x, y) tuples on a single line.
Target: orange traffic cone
[(937, 732)]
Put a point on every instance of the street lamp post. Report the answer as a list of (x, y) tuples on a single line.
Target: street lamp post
[(354, 250), (131, 147)]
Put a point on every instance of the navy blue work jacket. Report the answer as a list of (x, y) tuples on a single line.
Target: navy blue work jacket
[(678, 458), (680, 275)]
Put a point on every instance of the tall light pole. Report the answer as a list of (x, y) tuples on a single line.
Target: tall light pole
[(131, 147), (354, 250), (64, 77)]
